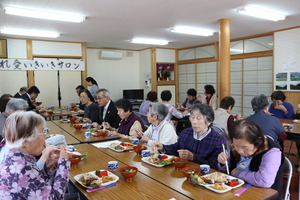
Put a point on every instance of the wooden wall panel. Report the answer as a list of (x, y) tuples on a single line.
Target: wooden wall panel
[(293, 98)]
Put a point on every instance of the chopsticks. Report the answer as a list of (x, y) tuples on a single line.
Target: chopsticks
[(56, 148), (226, 163), (155, 151), (241, 191), (101, 187)]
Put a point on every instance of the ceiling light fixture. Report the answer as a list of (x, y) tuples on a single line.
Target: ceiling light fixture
[(30, 33), (192, 31), (44, 14), (261, 13), (149, 41)]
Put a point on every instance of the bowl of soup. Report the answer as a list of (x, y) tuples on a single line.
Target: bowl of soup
[(75, 159), (179, 163), (77, 126), (38, 103), (128, 173), (138, 149), (188, 171), (50, 112), (102, 133), (72, 119)]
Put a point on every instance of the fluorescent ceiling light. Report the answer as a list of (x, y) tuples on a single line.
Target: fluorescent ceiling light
[(261, 13), (30, 33), (192, 31), (149, 41), (44, 14)]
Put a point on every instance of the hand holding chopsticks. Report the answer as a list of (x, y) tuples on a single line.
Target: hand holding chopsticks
[(226, 163)]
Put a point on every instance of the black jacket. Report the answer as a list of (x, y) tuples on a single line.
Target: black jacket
[(111, 116)]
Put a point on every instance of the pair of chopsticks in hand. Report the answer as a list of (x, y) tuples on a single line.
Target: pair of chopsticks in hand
[(56, 148), (226, 163), (241, 191)]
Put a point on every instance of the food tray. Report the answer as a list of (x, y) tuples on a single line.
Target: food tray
[(65, 120), (146, 160), (77, 177), (228, 177), (125, 148)]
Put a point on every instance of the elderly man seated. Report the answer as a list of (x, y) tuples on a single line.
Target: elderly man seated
[(107, 111)]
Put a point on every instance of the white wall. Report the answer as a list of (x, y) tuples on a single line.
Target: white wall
[(114, 75), (56, 48), (165, 55), (47, 81), (145, 70), (11, 81)]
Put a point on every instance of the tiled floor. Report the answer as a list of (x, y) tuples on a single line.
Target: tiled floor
[(294, 187)]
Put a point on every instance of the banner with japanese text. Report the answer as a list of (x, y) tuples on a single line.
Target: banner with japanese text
[(16, 64)]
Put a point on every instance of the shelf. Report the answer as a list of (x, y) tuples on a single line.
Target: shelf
[(172, 82)]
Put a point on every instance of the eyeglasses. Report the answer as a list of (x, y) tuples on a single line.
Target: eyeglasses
[(43, 134), (99, 98)]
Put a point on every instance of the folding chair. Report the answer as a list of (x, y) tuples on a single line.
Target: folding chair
[(288, 164)]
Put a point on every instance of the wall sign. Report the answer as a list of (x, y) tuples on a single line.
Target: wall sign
[(15, 64)]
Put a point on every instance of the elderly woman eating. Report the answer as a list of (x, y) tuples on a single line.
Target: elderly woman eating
[(129, 121), (160, 130), (254, 157), (200, 143), (20, 177)]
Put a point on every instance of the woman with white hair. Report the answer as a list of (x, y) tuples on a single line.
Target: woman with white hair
[(200, 143), (12, 105), (20, 178), (160, 130)]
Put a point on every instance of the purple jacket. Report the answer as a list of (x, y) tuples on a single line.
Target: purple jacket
[(125, 125)]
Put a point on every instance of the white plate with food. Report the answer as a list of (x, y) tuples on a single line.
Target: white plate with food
[(219, 182), (65, 120), (159, 160), (90, 180), (120, 147), (296, 120)]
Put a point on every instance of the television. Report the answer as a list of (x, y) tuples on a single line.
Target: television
[(134, 95)]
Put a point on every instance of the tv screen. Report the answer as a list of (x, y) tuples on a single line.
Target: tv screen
[(137, 94)]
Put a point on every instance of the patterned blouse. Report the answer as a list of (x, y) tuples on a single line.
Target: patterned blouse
[(20, 178)]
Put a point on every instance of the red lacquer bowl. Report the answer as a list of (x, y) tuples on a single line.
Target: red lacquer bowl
[(129, 173)]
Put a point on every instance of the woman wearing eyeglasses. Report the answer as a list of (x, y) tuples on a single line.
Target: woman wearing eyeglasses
[(20, 177), (253, 157)]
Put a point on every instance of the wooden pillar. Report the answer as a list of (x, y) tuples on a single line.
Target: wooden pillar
[(84, 59), (224, 57), (154, 70), (30, 73)]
